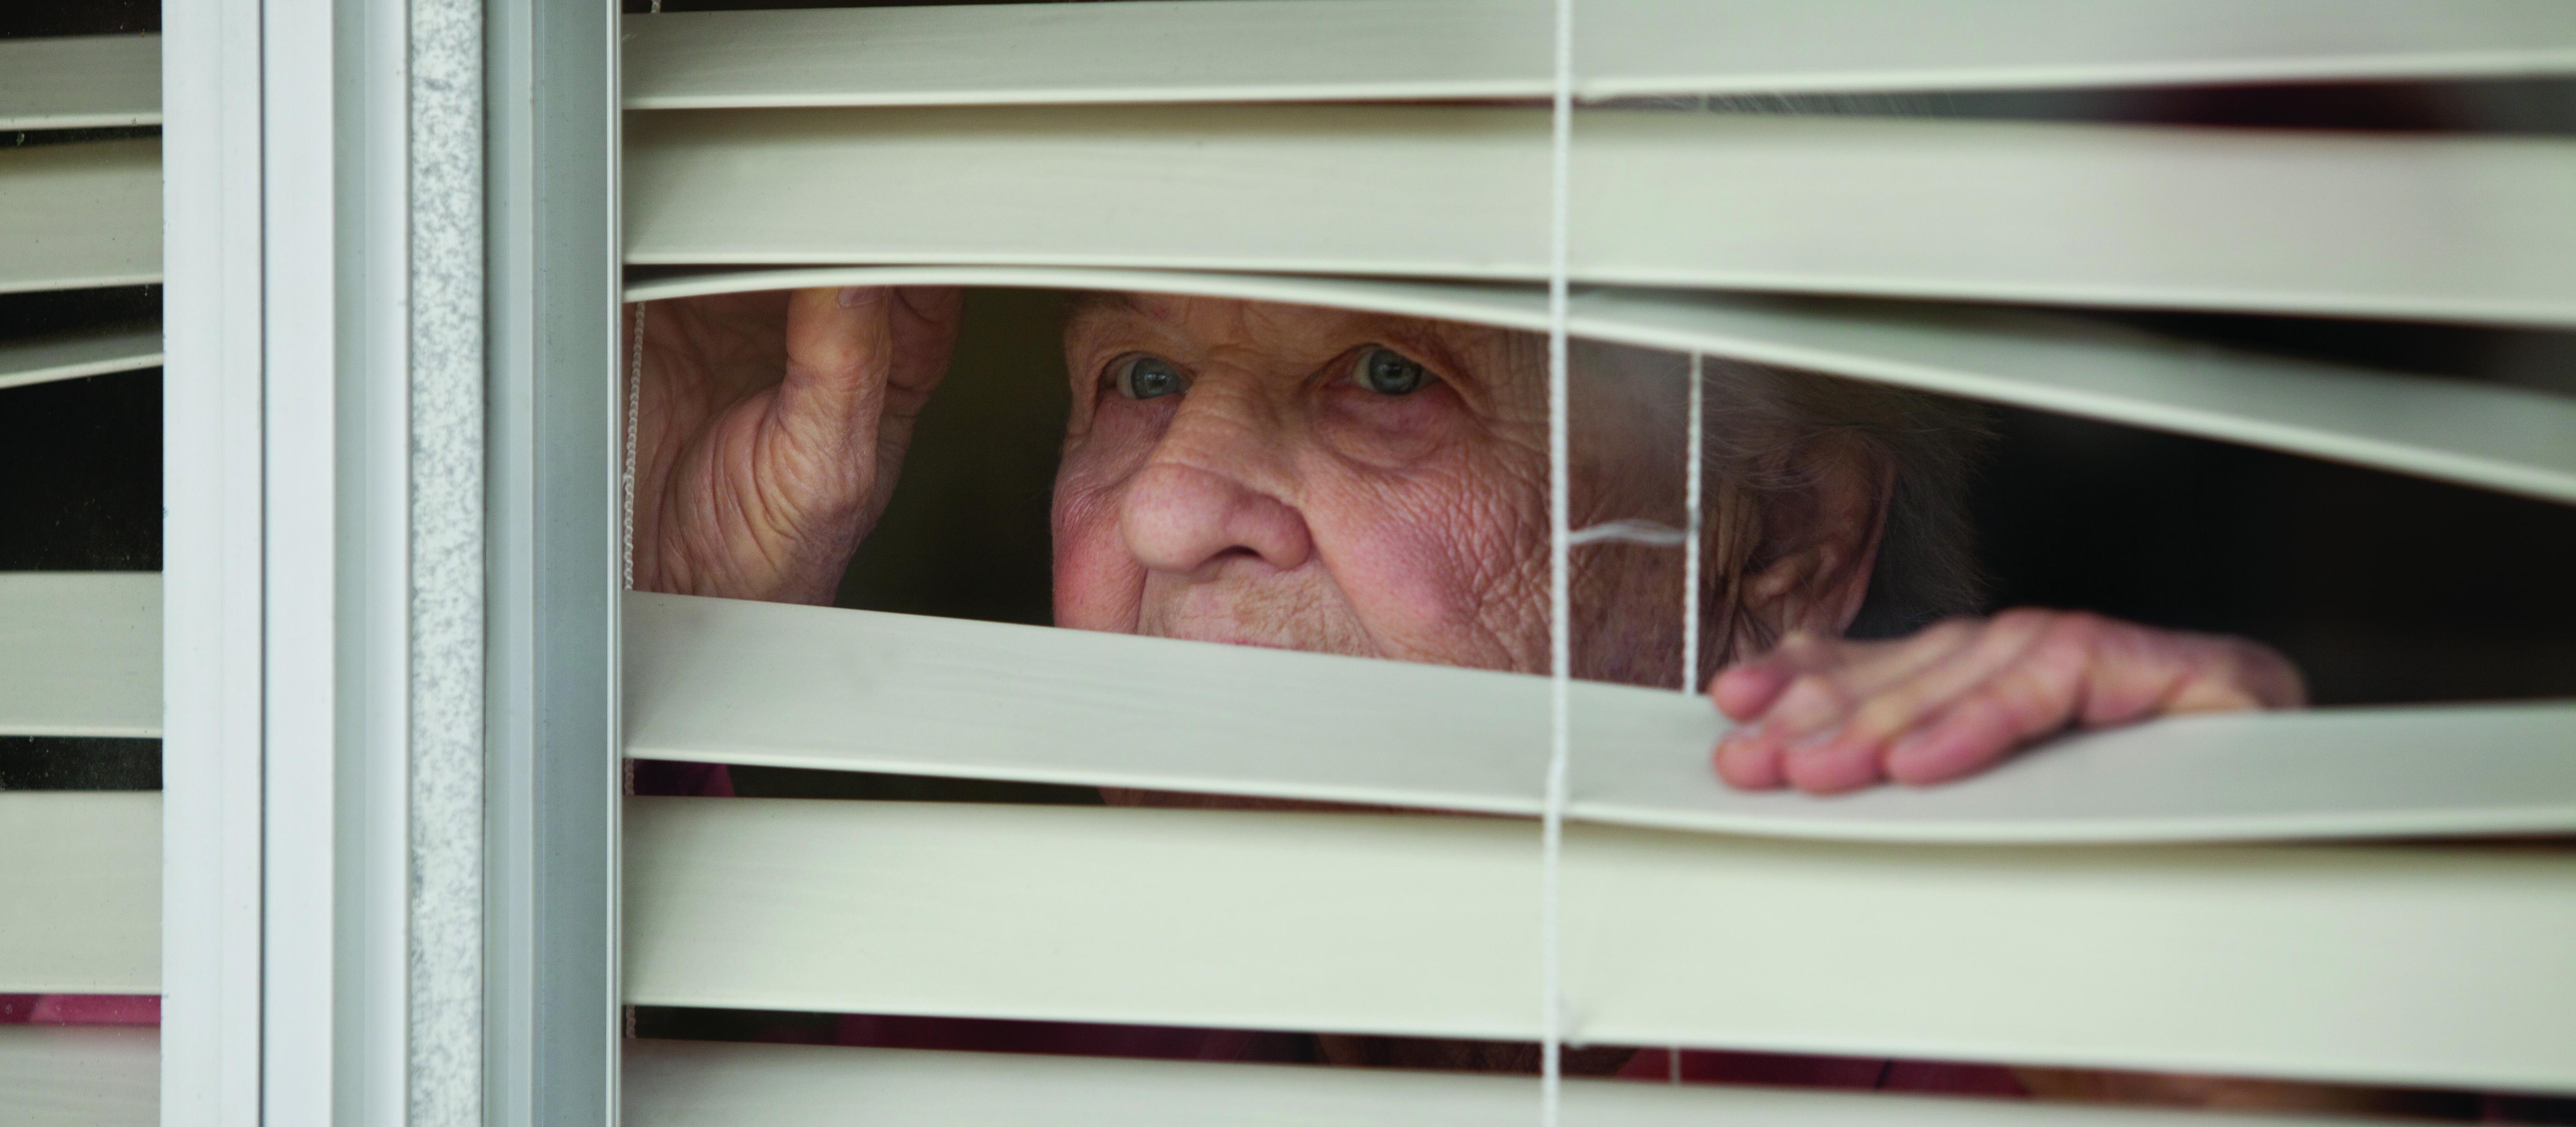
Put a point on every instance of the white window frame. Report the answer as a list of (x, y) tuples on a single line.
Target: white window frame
[(376, 289)]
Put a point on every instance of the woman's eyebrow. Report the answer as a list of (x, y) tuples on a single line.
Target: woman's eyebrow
[(1437, 345)]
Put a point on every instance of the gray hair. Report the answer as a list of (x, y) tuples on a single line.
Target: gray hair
[(1759, 418)]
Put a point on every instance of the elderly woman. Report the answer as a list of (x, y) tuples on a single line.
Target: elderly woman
[(1367, 484)]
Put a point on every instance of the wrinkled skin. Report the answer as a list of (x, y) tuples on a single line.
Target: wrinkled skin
[(1279, 501), (1276, 499), (770, 432), (1828, 714)]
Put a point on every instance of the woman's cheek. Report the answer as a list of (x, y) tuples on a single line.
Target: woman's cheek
[(1431, 562), (1098, 584)]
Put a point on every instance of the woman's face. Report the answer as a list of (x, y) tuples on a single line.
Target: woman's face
[(1316, 479)]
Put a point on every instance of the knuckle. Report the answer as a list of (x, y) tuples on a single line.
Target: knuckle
[(1816, 693), (1884, 715), (2080, 624), (2025, 618), (2030, 704), (1987, 720), (2071, 639)]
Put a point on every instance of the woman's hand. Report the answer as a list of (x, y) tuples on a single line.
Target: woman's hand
[(771, 429), (1828, 715)]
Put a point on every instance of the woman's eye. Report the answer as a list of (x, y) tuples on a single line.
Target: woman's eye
[(1386, 372), (1150, 377)]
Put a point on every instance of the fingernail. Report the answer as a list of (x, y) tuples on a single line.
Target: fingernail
[(853, 297), (1905, 753)]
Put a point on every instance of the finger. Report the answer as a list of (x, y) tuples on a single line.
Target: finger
[(1749, 763), (1746, 689), (1782, 683), (839, 354), (1748, 758), (1826, 694), (2141, 672), (1818, 683), (2240, 674), (1852, 753), (923, 321), (1839, 756), (2037, 695), (1954, 664)]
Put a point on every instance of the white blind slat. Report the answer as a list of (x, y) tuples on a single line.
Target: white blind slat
[(741, 682), (80, 1077), (76, 216), (80, 81), (2234, 220), (2511, 439), (1872, 46), (2366, 964), (73, 355), (694, 1084), (81, 875), (80, 653), (1277, 50), (1144, 51), (1241, 919)]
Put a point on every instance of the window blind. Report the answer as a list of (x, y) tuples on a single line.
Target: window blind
[(83, 214), (99, 1077), (68, 356), (2133, 900), (2373, 964), (1284, 50), (727, 681), (81, 873), (677, 1084), (80, 215), (2132, 216), (80, 81), (80, 653)]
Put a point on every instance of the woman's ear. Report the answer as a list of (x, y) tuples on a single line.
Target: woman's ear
[(1809, 570)]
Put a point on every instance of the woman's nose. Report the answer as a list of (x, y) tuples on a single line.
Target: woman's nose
[(1181, 519)]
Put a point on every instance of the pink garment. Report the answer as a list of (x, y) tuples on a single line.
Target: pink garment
[(1061, 1038), (1158, 1043), (80, 1009), (1702, 1066)]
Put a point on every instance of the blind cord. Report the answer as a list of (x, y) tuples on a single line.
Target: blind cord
[(1560, 619), (626, 523), (626, 479), (1690, 542), (626, 531)]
